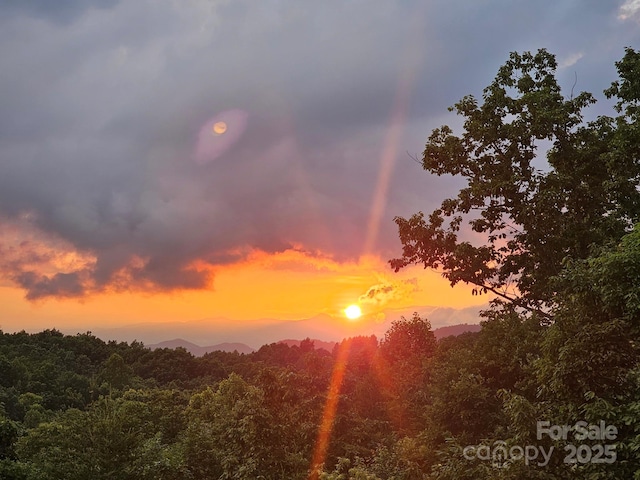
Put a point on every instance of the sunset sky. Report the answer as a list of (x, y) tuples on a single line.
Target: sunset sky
[(182, 160)]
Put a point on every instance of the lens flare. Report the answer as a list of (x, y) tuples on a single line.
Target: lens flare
[(219, 134), (329, 412), (219, 128)]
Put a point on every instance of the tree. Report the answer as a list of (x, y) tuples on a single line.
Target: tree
[(232, 434), (115, 372), (9, 432), (590, 368), (531, 217), (408, 339), (107, 441), (554, 243), (403, 367)]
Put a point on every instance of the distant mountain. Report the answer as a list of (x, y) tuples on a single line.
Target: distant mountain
[(199, 351), (263, 331), (455, 330), (318, 344)]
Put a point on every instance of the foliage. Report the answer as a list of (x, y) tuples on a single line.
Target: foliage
[(529, 217)]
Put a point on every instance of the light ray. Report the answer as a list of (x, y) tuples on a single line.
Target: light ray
[(394, 134), (389, 390), (387, 163), (329, 413)]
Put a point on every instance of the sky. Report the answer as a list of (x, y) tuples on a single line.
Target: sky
[(183, 160)]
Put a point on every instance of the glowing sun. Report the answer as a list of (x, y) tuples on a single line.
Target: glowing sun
[(353, 312)]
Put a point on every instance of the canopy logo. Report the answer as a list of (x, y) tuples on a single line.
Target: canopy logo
[(502, 455)]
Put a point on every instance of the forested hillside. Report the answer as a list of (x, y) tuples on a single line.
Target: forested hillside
[(77, 407)]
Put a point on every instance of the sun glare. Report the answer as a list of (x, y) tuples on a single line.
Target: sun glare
[(353, 312)]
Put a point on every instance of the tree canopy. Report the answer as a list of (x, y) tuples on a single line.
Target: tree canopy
[(527, 217)]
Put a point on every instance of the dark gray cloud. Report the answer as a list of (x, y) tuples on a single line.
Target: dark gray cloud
[(102, 104), (60, 11)]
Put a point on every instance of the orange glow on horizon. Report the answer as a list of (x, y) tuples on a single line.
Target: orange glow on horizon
[(290, 285)]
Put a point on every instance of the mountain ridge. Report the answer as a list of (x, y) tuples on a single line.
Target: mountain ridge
[(257, 332), (198, 351)]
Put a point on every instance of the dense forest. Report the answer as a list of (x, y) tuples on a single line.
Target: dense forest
[(548, 389)]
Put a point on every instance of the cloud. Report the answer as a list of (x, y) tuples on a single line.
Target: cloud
[(61, 12), (570, 60), (60, 284), (630, 9), (381, 294), (101, 132), (39, 263)]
